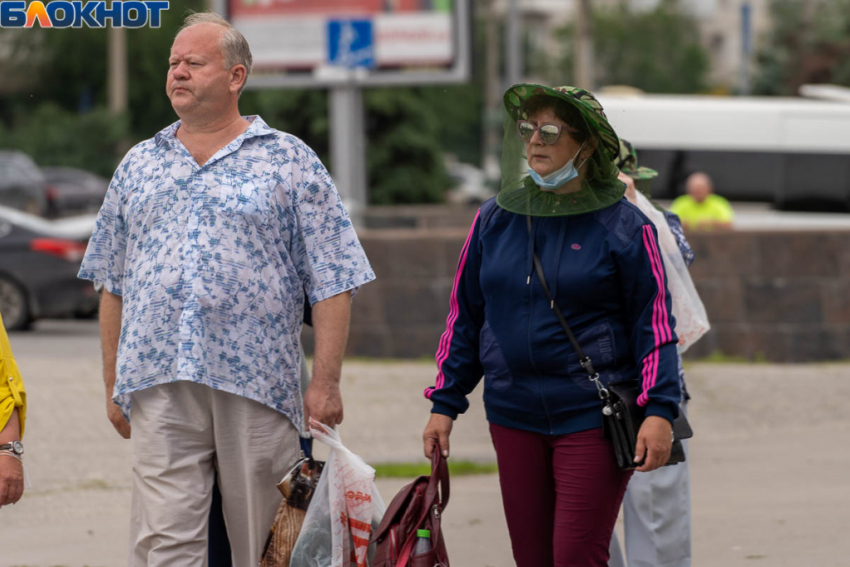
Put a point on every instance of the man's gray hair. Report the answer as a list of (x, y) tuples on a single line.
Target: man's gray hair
[(234, 46)]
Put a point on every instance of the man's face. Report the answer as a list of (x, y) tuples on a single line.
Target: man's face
[(197, 80), (699, 188)]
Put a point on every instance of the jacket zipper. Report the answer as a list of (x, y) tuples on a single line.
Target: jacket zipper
[(531, 356)]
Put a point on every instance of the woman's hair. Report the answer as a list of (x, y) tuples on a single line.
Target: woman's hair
[(598, 166)]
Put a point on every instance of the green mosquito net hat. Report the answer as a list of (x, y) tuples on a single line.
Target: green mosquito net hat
[(627, 162), (582, 112)]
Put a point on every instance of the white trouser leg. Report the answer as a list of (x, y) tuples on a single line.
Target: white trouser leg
[(657, 509), (173, 449), (255, 446)]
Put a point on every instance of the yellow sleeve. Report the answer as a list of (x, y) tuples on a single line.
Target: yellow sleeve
[(12, 392)]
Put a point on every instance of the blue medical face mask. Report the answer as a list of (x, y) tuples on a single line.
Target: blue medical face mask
[(557, 178)]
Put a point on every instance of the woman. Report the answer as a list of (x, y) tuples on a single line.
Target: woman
[(13, 411), (560, 483)]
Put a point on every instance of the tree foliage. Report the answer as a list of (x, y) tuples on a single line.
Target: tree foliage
[(54, 136), (657, 51), (62, 120), (809, 42)]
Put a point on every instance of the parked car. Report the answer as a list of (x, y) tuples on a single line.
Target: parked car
[(22, 185), (72, 190), (39, 260), (468, 184)]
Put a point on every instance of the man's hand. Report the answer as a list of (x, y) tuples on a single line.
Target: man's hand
[(323, 402), (110, 332), (654, 439), (11, 480), (436, 434), (113, 412)]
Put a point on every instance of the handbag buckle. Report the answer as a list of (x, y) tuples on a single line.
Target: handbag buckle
[(587, 364)]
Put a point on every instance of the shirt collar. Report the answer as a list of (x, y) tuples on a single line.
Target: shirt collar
[(258, 127)]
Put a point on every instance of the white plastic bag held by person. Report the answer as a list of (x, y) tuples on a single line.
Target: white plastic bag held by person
[(691, 318), (343, 511)]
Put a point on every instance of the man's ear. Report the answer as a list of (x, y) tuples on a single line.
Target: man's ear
[(239, 74)]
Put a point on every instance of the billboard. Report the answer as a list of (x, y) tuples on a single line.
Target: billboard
[(368, 42)]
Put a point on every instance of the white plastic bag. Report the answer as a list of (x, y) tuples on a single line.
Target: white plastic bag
[(344, 509), (691, 318)]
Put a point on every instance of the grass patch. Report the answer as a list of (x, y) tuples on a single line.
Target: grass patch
[(410, 470), (718, 357)]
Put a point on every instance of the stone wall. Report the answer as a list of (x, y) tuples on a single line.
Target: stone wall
[(777, 296)]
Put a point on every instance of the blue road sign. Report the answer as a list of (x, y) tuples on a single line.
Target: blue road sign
[(350, 43)]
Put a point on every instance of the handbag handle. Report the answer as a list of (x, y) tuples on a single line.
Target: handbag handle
[(584, 360), (433, 504)]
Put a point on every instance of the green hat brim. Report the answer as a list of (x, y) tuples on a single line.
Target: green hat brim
[(590, 109), (641, 173)]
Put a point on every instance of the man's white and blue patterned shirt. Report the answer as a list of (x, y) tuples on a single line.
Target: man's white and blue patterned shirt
[(213, 263)]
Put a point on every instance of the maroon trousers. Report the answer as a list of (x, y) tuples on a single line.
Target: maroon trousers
[(561, 495)]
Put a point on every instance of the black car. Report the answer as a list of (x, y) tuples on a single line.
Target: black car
[(72, 190), (22, 185), (39, 260)]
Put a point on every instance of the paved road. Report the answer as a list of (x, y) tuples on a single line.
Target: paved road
[(770, 460)]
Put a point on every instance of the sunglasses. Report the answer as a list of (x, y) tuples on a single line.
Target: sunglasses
[(549, 133)]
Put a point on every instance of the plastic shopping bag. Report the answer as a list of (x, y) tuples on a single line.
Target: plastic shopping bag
[(346, 507), (688, 309)]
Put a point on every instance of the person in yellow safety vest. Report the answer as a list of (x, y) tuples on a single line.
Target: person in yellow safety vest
[(13, 411), (701, 208)]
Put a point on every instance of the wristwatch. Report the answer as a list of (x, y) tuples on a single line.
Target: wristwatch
[(15, 447)]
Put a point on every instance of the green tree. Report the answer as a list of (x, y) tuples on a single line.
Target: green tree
[(408, 129), (809, 42), (55, 136), (657, 51)]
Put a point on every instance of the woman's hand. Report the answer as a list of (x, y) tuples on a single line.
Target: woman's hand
[(654, 439), (437, 433), (11, 480)]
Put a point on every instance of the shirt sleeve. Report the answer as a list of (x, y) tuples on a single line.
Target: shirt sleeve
[(12, 393), (104, 259), (650, 316), (458, 365), (326, 252), (675, 225)]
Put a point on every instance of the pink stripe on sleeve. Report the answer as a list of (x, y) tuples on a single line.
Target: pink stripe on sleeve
[(454, 309), (660, 319)]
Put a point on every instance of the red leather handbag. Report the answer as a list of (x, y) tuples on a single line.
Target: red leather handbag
[(417, 506)]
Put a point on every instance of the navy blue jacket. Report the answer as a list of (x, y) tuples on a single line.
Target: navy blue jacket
[(605, 272)]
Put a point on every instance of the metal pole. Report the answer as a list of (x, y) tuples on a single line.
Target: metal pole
[(513, 45), (348, 148), (746, 47), (117, 65), (584, 76), (491, 136)]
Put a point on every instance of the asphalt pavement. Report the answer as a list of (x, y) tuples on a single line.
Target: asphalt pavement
[(769, 460)]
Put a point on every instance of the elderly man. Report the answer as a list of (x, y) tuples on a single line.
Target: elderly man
[(209, 238), (701, 208)]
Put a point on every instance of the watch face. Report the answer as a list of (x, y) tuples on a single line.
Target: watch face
[(18, 447)]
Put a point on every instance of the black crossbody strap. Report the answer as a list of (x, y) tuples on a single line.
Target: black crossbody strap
[(584, 360)]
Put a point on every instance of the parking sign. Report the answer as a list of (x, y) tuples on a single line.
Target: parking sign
[(350, 43)]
